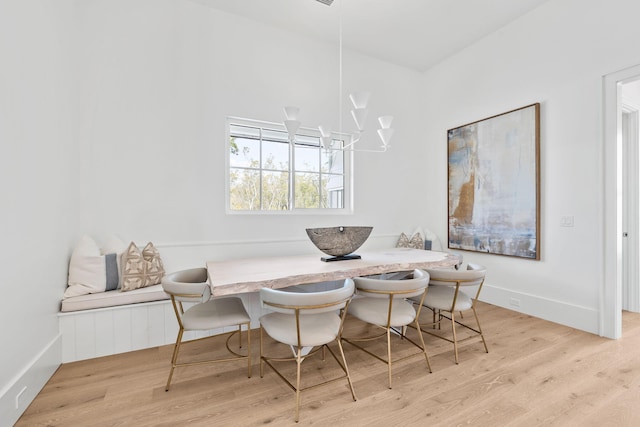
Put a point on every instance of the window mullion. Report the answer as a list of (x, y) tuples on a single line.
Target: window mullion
[(292, 175), (260, 181), (319, 175)]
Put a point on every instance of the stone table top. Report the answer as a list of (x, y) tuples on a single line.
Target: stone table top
[(250, 274)]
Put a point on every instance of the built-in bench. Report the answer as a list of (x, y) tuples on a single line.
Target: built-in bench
[(112, 322), (113, 298), (105, 323)]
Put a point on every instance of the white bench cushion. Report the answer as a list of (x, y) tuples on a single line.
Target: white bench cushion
[(113, 298)]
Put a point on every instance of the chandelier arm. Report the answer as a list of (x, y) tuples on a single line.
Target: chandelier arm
[(383, 149), (354, 138)]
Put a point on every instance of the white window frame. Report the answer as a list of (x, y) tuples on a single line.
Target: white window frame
[(347, 208)]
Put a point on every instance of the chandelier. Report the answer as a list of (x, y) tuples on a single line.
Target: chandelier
[(359, 113)]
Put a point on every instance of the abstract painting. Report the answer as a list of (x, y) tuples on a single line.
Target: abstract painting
[(494, 184)]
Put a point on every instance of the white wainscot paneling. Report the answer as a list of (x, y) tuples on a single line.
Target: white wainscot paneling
[(105, 331)]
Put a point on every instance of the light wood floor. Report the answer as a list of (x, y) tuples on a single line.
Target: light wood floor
[(536, 373)]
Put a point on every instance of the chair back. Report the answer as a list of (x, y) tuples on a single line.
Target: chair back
[(188, 285), (307, 302), (472, 276), (414, 285)]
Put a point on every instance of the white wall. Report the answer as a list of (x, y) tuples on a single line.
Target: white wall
[(38, 187), (159, 79), (555, 55)]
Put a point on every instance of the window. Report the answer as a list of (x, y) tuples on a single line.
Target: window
[(268, 173)]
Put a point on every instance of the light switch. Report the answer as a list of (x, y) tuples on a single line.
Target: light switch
[(566, 221)]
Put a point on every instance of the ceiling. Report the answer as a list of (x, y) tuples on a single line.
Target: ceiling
[(412, 33)]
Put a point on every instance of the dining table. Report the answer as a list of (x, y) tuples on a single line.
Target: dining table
[(242, 275)]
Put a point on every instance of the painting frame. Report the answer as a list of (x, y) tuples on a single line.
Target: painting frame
[(493, 184)]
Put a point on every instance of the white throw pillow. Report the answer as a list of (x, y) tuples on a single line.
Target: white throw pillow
[(89, 270), (435, 242)]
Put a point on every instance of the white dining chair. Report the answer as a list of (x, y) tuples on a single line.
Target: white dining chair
[(446, 297), (308, 322), (191, 286), (383, 303)]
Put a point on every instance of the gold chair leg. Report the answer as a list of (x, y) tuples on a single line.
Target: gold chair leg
[(174, 357), (248, 348), (298, 362), (389, 354), (424, 347), (480, 329), (346, 368), (455, 339), (261, 361)]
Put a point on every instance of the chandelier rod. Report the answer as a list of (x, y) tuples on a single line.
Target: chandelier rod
[(340, 56)]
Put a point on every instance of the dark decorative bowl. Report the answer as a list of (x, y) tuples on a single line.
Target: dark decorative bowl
[(339, 242)]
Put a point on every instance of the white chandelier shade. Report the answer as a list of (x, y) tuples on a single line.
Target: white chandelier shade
[(360, 117), (385, 132), (291, 122), (385, 121), (360, 99), (325, 136)]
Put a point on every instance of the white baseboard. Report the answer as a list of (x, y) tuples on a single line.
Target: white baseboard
[(578, 317), (28, 383)]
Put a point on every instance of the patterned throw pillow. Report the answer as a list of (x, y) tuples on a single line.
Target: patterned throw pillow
[(155, 268), (141, 268), (416, 241)]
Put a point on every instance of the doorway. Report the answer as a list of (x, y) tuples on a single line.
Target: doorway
[(630, 196), (620, 286)]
